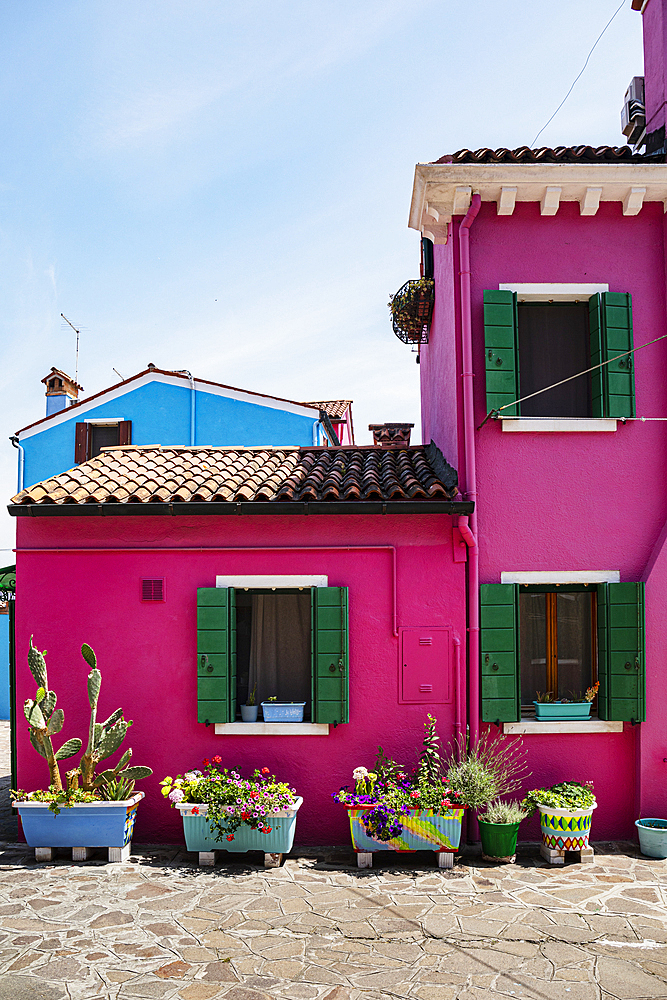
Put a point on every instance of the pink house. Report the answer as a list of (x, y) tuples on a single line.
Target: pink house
[(550, 264), (172, 562)]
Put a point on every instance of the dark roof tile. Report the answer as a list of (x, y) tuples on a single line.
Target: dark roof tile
[(560, 154)]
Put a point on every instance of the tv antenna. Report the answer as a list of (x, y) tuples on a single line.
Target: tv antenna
[(77, 332)]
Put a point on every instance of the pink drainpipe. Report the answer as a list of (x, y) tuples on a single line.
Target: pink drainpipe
[(468, 527)]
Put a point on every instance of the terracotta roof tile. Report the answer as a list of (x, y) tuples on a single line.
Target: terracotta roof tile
[(335, 408), (140, 475), (545, 154)]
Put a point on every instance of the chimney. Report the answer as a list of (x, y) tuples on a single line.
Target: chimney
[(391, 435), (654, 15), (61, 391)]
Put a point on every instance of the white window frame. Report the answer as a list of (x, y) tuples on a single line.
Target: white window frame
[(556, 292)]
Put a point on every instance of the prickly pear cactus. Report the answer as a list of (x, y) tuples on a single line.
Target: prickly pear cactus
[(45, 720)]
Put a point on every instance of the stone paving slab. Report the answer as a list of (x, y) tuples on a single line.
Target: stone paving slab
[(318, 928)]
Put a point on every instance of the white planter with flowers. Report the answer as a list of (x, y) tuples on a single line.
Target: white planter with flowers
[(223, 811)]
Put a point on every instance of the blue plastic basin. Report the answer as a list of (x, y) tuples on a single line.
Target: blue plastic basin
[(652, 839)]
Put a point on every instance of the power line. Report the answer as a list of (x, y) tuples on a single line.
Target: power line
[(580, 74), (586, 371)]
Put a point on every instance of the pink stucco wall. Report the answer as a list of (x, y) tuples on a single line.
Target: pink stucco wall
[(147, 652), (574, 501)]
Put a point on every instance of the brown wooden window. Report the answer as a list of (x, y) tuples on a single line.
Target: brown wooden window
[(558, 642), (90, 438)]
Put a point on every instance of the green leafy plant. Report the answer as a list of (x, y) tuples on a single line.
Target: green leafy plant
[(499, 812), (272, 698), (411, 307), (116, 789), (484, 771), (104, 738), (544, 699), (252, 695), (565, 795), (56, 798)]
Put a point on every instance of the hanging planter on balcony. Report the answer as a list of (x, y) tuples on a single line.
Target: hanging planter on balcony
[(411, 310)]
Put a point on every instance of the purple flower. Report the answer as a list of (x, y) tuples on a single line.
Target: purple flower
[(176, 795)]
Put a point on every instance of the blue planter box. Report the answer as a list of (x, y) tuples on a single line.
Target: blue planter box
[(283, 711), (558, 711), (423, 830), (198, 836), (85, 824)]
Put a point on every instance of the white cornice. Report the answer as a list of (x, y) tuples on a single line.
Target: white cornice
[(441, 190)]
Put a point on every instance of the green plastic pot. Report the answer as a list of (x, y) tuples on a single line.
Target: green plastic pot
[(498, 839)]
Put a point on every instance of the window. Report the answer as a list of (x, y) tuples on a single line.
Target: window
[(557, 630), (531, 345), (92, 436), (292, 642), (562, 639)]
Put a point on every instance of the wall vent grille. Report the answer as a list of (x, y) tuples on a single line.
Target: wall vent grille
[(152, 590)]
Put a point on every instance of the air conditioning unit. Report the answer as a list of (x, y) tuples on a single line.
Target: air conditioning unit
[(633, 112)]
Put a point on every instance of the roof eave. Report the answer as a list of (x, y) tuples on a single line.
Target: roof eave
[(224, 509)]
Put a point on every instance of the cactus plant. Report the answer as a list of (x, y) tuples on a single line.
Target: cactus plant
[(104, 738), (45, 720)]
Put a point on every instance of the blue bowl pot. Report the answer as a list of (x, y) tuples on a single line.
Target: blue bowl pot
[(85, 824), (198, 835), (652, 839)]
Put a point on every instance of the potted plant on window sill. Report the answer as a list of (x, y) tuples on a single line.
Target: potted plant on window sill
[(223, 811), (566, 813), (91, 810), (249, 710), (282, 711), (565, 710), (499, 830), (411, 310)]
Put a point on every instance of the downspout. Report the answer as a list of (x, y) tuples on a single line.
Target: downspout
[(192, 409), (468, 527), (21, 451)]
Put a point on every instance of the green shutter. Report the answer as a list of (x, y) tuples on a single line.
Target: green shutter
[(500, 351), (216, 654), (621, 657), (330, 659), (499, 650), (613, 385)]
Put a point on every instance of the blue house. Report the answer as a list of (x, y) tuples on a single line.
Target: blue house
[(167, 408)]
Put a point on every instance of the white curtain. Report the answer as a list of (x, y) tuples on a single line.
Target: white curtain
[(280, 647)]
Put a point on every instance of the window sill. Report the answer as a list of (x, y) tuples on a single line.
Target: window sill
[(560, 425), (589, 726), (272, 728)]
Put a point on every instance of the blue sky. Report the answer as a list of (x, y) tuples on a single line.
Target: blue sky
[(225, 187)]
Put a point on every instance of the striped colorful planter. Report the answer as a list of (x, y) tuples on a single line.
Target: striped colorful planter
[(423, 830), (198, 836), (565, 829)]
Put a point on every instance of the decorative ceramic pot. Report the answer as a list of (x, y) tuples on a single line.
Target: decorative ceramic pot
[(200, 838), (283, 711), (249, 713), (565, 829), (652, 837), (562, 711), (85, 824)]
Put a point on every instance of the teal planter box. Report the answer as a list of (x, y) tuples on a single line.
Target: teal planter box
[(85, 824), (652, 839), (286, 711), (198, 835), (558, 711), (423, 830)]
